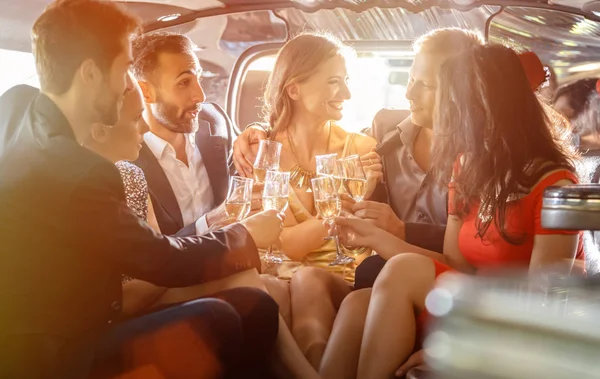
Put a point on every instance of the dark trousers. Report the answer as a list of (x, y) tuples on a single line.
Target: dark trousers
[(367, 272), (229, 335)]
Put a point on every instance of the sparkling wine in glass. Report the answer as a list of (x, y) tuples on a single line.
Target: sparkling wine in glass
[(354, 178), (276, 196), (329, 165), (239, 197), (329, 205), (267, 158)]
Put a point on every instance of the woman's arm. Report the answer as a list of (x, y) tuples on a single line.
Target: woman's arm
[(556, 251), (358, 232), (301, 239), (552, 249)]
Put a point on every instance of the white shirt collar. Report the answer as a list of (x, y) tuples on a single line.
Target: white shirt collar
[(159, 146), (156, 144)]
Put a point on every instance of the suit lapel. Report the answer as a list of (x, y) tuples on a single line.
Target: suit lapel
[(158, 184), (214, 155)]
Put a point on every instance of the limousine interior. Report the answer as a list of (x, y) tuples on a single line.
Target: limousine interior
[(237, 41)]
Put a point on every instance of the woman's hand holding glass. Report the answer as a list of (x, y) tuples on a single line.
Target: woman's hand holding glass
[(356, 232)]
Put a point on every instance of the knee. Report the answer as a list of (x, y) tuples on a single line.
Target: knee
[(357, 299), (401, 270)]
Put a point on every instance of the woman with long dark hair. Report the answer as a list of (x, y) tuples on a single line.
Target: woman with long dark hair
[(498, 150)]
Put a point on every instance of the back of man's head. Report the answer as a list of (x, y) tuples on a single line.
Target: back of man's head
[(70, 32), (147, 48), (447, 41)]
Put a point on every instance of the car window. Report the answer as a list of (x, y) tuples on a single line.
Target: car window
[(16, 68)]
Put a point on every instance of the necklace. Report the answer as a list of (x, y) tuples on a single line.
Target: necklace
[(299, 177)]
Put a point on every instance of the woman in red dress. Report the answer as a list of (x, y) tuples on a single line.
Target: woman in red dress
[(496, 146)]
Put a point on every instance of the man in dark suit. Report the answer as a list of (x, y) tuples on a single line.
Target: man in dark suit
[(67, 235), (186, 156)]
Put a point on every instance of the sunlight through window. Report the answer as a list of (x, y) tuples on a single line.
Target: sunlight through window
[(16, 68), (375, 83)]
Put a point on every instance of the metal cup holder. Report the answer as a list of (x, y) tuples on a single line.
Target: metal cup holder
[(575, 207)]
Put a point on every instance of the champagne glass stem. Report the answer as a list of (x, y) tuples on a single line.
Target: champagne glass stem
[(340, 258)]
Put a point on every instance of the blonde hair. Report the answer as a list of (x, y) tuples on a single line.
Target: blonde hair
[(297, 61), (448, 41)]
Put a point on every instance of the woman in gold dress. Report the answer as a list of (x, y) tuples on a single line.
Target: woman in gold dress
[(303, 102)]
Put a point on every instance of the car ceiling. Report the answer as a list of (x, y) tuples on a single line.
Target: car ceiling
[(562, 40)]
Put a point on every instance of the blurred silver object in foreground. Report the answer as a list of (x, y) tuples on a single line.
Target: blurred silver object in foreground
[(522, 326), (575, 207), (547, 328)]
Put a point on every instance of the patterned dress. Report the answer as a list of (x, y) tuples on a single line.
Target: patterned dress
[(136, 191), (136, 188)]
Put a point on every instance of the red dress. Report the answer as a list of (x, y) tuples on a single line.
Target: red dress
[(523, 220)]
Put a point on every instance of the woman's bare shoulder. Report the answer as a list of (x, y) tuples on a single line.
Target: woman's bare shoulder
[(363, 142)]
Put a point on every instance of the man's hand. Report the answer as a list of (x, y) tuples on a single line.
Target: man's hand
[(264, 228), (373, 168), (217, 218), (417, 359), (245, 148), (381, 215)]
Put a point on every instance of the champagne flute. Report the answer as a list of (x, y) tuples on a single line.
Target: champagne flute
[(329, 205), (239, 197), (354, 178), (276, 196), (267, 159), (329, 165)]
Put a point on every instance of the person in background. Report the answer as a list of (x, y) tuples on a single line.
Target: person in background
[(121, 143), (186, 159), (304, 99), (485, 111), (61, 277), (570, 99)]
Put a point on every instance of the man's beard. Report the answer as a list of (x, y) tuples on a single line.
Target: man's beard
[(107, 106), (166, 114)]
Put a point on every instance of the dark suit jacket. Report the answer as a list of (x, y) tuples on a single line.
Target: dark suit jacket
[(13, 104), (428, 236), (214, 139), (67, 235)]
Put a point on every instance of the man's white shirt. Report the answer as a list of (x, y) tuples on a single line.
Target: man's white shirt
[(190, 183)]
